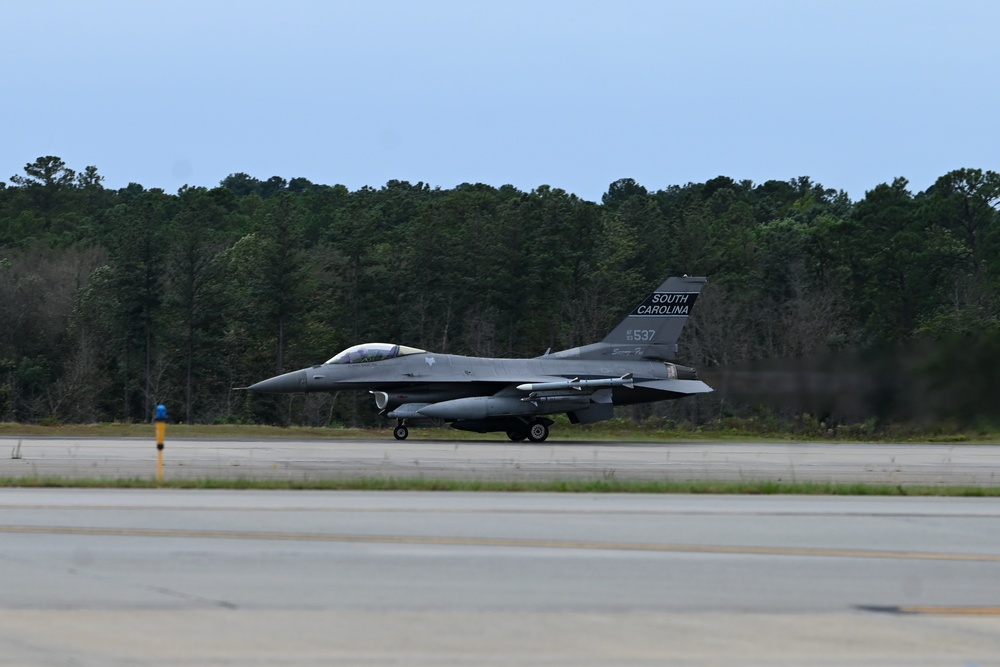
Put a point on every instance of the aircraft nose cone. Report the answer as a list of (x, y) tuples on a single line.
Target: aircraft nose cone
[(282, 384)]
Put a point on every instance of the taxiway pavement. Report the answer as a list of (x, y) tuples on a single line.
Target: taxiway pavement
[(925, 464)]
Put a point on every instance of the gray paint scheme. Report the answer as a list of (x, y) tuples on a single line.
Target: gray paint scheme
[(633, 364)]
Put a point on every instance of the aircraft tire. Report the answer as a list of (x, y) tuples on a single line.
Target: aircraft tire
[(517, 436), (400, 432), (538, 432)]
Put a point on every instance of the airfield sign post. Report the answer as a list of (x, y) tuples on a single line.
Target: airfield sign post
[(161, 434)]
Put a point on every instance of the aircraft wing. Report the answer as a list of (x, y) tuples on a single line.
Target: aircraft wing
[(556, 383)]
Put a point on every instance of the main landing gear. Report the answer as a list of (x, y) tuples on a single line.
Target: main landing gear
[(536, 431)]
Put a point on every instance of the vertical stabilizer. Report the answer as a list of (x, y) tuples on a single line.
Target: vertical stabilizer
[(653, 327)]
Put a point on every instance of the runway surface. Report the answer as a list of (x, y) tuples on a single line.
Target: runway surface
[(170, 577), (977, 465)]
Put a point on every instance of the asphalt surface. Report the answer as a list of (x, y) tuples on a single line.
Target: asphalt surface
[(932, 464), (172, 577)]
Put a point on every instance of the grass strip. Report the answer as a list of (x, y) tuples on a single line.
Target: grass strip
[(548, 486)]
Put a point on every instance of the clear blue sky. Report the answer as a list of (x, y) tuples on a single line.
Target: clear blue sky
[(572, 94)]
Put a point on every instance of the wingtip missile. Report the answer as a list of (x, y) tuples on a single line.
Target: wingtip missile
[(578, 384)]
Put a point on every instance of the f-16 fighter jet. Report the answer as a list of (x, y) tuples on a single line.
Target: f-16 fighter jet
[(635, 363)]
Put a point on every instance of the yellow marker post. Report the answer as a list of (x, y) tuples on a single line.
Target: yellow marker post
[(161, 435)]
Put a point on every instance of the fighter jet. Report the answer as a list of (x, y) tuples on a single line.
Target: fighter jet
[(635, 363)]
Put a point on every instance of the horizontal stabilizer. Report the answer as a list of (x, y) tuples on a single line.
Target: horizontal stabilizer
[(677, 386)]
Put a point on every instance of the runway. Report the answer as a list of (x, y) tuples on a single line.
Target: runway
[(171, 577), (907, 464)]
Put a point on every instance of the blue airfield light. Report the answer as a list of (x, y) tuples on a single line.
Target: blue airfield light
[(161, 434)]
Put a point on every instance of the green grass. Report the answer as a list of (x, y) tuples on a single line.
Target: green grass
[(222, 431), (554, 486)]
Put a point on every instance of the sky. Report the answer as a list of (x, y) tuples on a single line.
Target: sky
[(573, 94)]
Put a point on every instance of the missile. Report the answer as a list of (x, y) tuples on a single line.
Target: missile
[(578, 384)]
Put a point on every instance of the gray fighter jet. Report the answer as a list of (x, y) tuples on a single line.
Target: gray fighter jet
[(633, 364)]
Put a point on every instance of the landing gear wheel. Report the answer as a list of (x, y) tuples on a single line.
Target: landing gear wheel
[(538, 432), (400, 432), (517, 436)]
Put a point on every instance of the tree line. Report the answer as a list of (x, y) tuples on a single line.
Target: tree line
[(112, 301)]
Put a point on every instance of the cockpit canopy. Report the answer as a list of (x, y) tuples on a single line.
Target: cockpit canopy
[(368, 352)]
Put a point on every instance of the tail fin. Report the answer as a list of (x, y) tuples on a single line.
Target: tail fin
[(652, 328)]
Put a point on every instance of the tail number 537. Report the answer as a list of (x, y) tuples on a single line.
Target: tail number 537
[(640, 335)]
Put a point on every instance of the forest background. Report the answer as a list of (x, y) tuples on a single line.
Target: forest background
[(882, 311)]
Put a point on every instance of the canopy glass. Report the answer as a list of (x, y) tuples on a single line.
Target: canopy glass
[(369, 352)]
